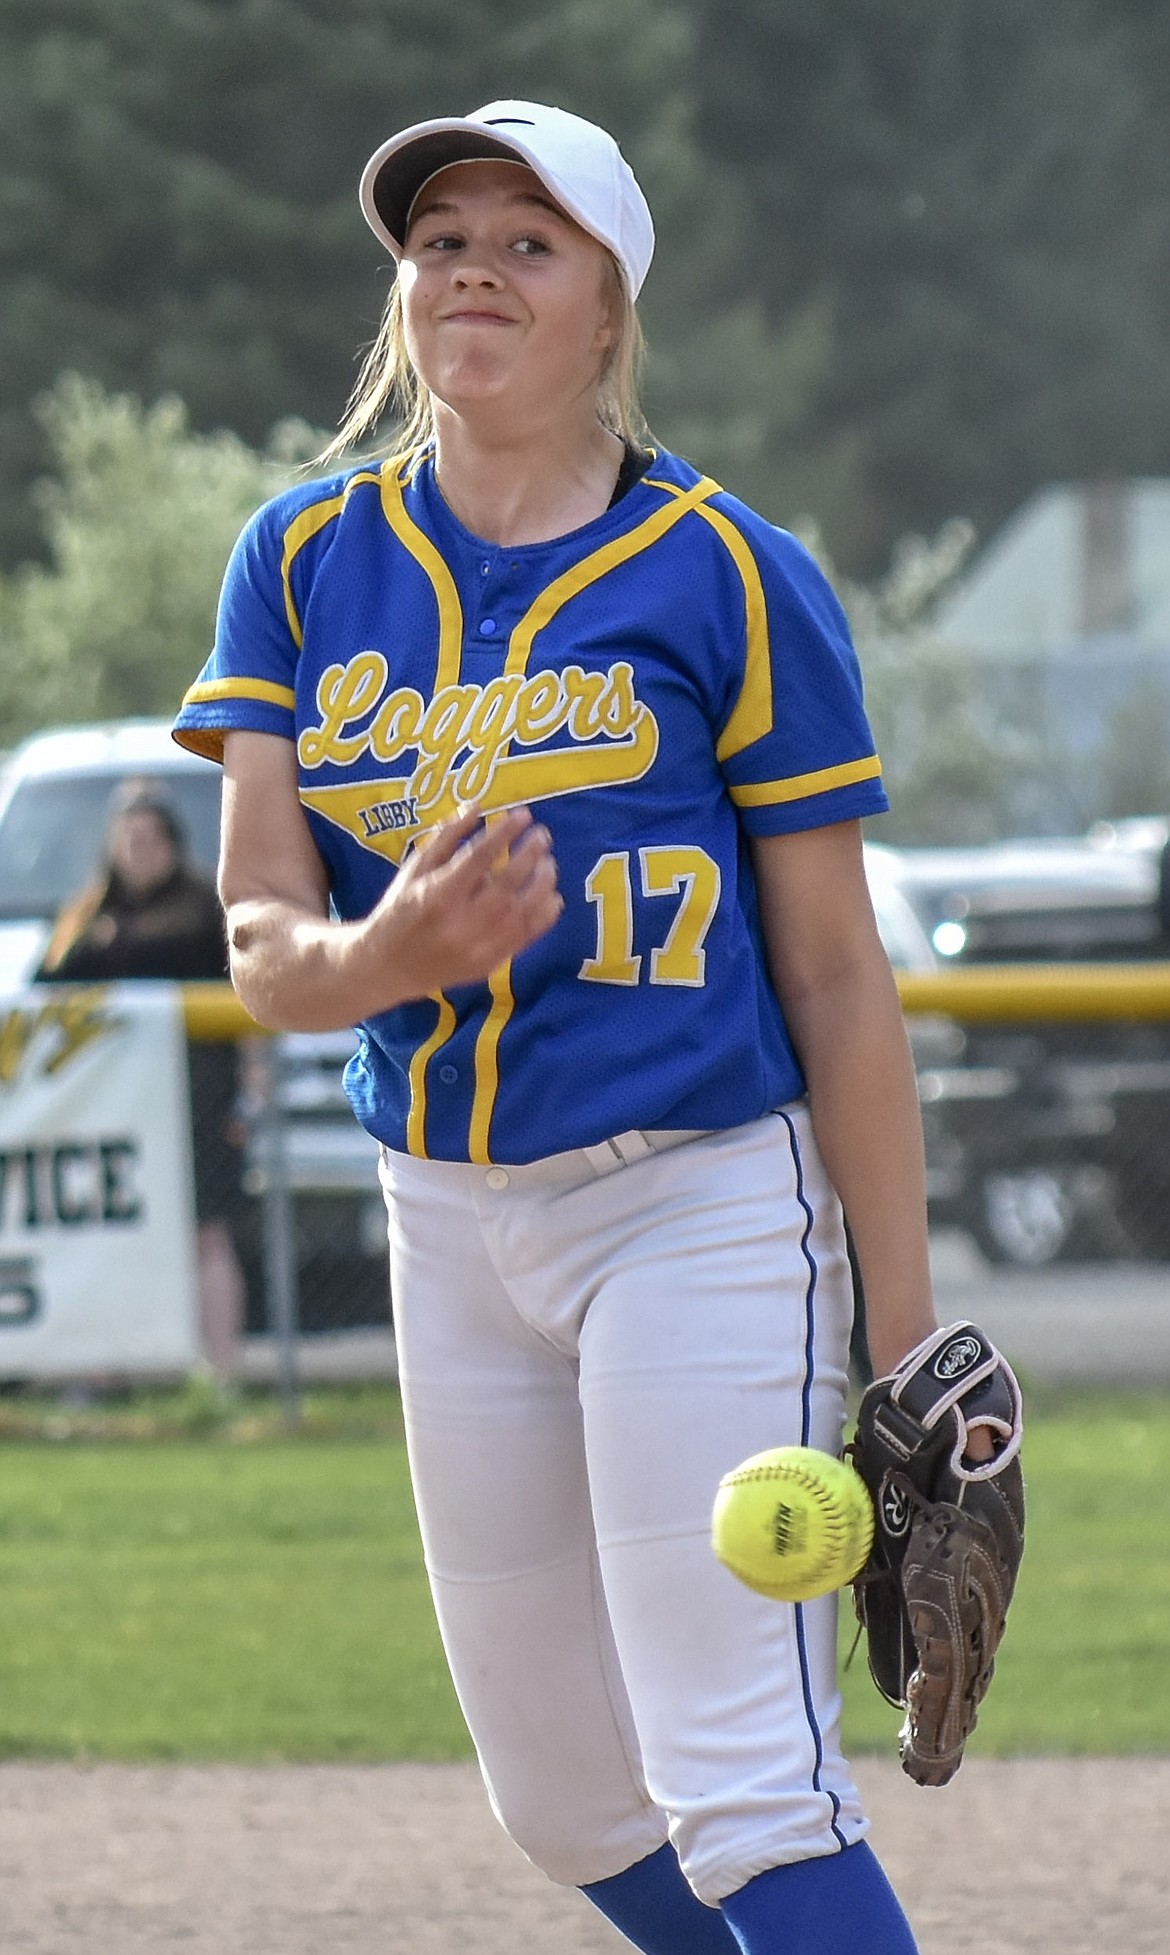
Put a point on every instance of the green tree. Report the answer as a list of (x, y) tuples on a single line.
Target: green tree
[(978, 193), (178, 215), (140, 517), (946, 763)]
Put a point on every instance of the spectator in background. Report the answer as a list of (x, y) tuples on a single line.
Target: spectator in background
[(150, 913)]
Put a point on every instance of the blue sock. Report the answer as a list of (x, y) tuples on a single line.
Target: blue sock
[(841, 1905), (654, 1908)]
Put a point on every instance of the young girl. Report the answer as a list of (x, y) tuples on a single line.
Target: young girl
[(545, 760)]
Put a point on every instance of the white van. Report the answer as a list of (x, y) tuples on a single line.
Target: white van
[(55, 792)]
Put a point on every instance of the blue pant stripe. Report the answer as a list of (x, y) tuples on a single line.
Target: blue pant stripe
[(810, 1293), (805, 1429)]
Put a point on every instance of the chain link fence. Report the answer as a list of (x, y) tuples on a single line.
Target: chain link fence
[(1046, 1102), (301, 1140), (284, 1168), (1048, 1120), (1057, 1141), (1045, 1092)]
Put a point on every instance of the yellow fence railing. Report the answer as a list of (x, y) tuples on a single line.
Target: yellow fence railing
[(987, 993), (975, 993), (212, 1011)]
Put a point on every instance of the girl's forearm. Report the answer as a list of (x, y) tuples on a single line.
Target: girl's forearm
[(864, 1105)]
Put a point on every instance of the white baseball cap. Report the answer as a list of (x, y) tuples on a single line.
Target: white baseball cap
[(578, 163)]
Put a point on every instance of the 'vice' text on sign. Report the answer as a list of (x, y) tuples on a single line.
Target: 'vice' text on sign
[(69, 1184)]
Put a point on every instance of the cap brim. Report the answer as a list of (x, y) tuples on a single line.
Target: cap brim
[(396, 173)]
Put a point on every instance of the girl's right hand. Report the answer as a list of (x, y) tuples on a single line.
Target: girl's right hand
[(472, 895)]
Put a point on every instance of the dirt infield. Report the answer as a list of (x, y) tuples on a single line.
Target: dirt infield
[(1030, 1856)]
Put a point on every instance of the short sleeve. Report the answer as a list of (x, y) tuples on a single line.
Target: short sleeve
[(795, 747), (248, 683)]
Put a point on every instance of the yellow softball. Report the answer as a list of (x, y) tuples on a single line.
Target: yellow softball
[(792, 1523)]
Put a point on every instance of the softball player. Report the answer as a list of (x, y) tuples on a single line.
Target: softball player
[(545, 760)]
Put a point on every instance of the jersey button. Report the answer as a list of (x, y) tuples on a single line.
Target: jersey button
[(448, 1075), (496, 1178), (487, 628)]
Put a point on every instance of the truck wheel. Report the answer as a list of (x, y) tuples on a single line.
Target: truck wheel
[(1031, 1217)]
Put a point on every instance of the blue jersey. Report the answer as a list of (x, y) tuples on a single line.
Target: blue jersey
[(656, 686)]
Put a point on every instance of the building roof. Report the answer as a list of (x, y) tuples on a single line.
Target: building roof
[(1080, 568)]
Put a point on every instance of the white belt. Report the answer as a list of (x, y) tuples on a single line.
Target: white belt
[(606, 1156), (557, 1170)]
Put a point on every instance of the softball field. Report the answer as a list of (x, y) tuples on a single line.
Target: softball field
[(1027, 1857)]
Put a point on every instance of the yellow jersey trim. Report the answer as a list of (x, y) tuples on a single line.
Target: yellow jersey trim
[(395, 474), (299, 532), (263, 689), (599, 564), (416, 1119), (408, 464), (420, 547), (751, 716), (798, 787), (302, 530), (208, 740), (487, 1064)]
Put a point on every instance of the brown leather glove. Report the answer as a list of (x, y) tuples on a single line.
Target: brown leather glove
[(948, 1538)]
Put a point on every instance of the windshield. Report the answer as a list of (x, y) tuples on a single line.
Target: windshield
[(52, 830), (905, 941)]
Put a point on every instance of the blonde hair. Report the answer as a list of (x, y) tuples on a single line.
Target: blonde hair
[(388, 381)]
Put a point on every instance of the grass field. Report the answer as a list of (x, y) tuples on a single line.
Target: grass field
[(181, 1579), (1083, 1667)]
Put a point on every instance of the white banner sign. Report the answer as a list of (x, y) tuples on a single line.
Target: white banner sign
[(97, 1227)]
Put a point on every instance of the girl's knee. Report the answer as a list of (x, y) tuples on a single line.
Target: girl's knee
[(572, 1841)]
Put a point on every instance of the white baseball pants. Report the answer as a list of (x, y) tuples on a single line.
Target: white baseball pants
[(583, 1353)]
